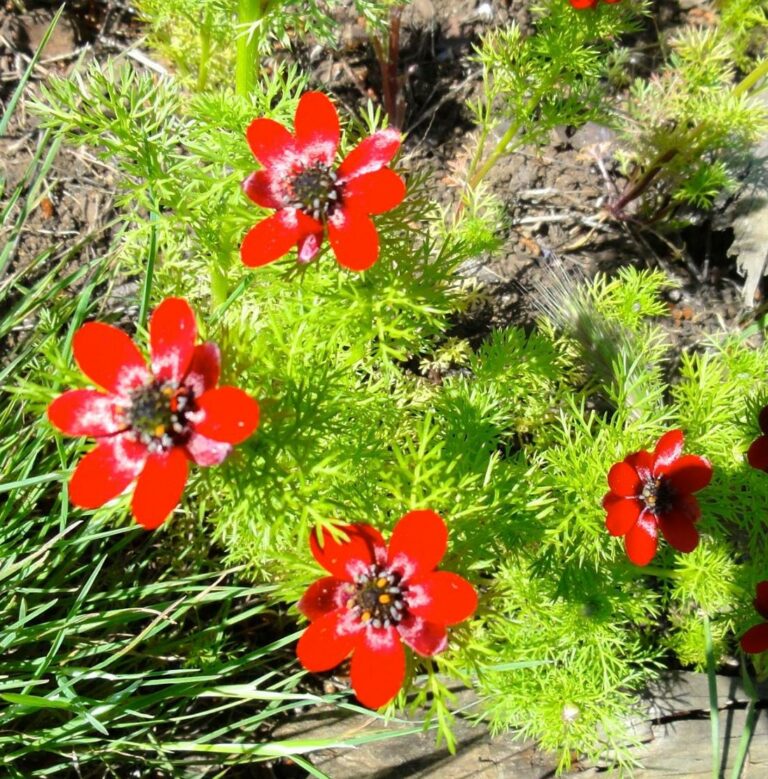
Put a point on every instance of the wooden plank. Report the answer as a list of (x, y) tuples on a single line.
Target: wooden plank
[(672, 721)]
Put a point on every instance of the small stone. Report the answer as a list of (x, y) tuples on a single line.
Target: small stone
[(484, 11), (592, 135)]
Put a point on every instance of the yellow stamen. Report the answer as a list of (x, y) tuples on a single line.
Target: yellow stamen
[(350, 603), (384, 598), (365, 616), (382, 582), (159, 430), (167, 391)]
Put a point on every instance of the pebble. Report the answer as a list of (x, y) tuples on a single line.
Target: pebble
[(484, 11), (674, 295)]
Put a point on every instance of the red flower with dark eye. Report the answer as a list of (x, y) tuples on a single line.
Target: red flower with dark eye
[(311, 196), (757, 456), (755, 640), (652, 492), (582, 4), (376, 598), (151, 420)]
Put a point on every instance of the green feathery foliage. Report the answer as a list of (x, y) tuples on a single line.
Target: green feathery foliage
[(744, 24), (372, 404), (687, 129), (533, 83), (198, 36)]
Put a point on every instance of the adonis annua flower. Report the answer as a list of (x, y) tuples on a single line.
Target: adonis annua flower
[(377, 598), (149, 421), (755, 640), (314, 197), (652, 492), (581, 4), (757, 455)]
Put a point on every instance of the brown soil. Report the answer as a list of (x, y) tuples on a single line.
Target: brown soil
[(70, 216)]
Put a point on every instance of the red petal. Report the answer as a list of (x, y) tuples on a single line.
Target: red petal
[(370, 154), (755, 640), (622, 513), (642, 462), (270, 142), (229, 415), (205, 451), (172, 336), (679, 531), (258, 187), (762, 419), (347, 559), (159, 488), (85, 412), (270, 239), (204, 368), (423, 637), (108, 357), (353, 238), (757, 456), (761, 601), (668, 449), (642, 540), (690, 473), (106, 471), (418, 543), (580, 5), (624, 480), (317, 127), (378, 667), (375, 193), (442, 597), (325, 595), (323, 645)]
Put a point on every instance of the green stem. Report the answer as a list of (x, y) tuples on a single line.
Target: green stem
[(503, 144), (249, 13), (479, 151), (751, 78), (498, 150), (714, 711), (635, 190), (659, 573), (219, 283), (223, 305), (205, 51), (146, 292), (749, 724)]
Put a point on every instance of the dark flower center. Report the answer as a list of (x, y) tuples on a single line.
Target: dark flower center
[(377, 597), (658, 495), (315, 191), (157, 414)]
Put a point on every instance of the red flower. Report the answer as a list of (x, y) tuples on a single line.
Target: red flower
[(582, 4), (376, 598), (755, 640), (310, 196), (757, 455), (150, 421), (652, 492)]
